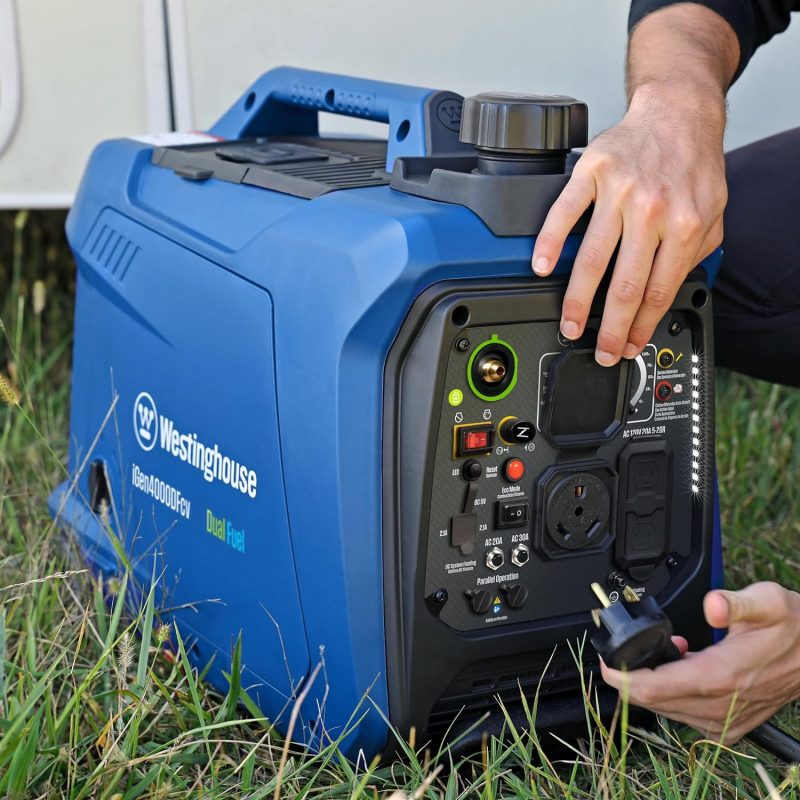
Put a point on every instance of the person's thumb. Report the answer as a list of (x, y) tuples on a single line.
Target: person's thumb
[(756, 604)]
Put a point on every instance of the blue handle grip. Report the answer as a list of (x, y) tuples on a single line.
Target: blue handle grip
[(285, 102)]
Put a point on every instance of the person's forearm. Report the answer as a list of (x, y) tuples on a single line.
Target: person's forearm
[(656, 180), (685, 47)]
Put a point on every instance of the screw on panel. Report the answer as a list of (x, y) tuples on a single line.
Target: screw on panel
[(462, 344), (672, 562), (440, 596), (675, 327)]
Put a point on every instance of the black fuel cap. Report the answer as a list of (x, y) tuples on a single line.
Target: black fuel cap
[(524, 123)]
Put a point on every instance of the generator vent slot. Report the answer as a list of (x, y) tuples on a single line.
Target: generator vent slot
[(110, 250), (303, 166), (479, 688)]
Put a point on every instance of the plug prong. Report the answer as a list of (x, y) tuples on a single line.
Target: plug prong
[(601, 595), (630, 595), (596, 616)]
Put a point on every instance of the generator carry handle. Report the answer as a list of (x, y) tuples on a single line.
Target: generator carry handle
[(285, 102)]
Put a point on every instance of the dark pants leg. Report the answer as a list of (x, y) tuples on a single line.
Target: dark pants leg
[(757, 294)]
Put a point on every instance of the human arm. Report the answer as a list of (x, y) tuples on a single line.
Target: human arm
[(657, 181)]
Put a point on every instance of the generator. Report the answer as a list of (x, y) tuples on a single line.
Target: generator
[(322, 404)]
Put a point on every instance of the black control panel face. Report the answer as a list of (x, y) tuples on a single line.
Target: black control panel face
[(551, 472)]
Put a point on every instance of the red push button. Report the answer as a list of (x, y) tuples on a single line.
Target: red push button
[(513, 470)]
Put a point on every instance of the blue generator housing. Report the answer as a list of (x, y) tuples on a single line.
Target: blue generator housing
[(319, 395)]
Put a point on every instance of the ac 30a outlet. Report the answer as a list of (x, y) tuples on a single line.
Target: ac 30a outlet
[(576, 508)]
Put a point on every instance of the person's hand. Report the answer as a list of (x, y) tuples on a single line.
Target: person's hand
[(657, 181), (736, 684)]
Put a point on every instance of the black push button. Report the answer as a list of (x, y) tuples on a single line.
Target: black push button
[(512, 513), (471, 470), (516, 594)]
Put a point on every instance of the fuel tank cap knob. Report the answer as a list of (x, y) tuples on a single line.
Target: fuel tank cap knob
[(524, 123)]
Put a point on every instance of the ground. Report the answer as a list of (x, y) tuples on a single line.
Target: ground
[(90, 709)]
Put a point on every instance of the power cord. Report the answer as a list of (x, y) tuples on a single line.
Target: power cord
[(635, 632)]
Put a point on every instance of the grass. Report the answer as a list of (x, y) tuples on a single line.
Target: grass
[(94, 705)]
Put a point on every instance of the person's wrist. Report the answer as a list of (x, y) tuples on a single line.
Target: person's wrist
[(695, 101), (686, 91)]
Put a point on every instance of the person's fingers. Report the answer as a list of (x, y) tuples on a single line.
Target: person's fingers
[(682, 644), (710, 729), (637, 251), (725, 727), (677, 679), (714, 708), (575, 198), (676, 256), (712, 240), (759, 604), (591, 262), (716, 609), (672, 263)]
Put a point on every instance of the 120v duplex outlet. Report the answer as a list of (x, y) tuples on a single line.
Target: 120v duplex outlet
[(576, 508)]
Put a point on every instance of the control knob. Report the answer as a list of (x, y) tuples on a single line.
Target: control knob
[(480, 600), (516, 431), (516, 594)]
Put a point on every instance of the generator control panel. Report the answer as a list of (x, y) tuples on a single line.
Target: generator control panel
[(551, 472)]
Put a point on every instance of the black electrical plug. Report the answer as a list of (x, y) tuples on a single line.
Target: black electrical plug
[(632, 633)]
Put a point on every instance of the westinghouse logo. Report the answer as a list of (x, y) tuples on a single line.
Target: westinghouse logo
[(145, 421), (150, 428), (448, 112)]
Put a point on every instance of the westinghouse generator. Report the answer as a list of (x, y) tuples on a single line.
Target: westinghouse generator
[(319, 394)]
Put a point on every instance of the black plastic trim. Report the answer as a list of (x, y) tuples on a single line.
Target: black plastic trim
[(510, 205)]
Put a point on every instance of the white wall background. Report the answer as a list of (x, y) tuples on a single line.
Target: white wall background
[(88, 71), (571, 47), (94, 69)]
